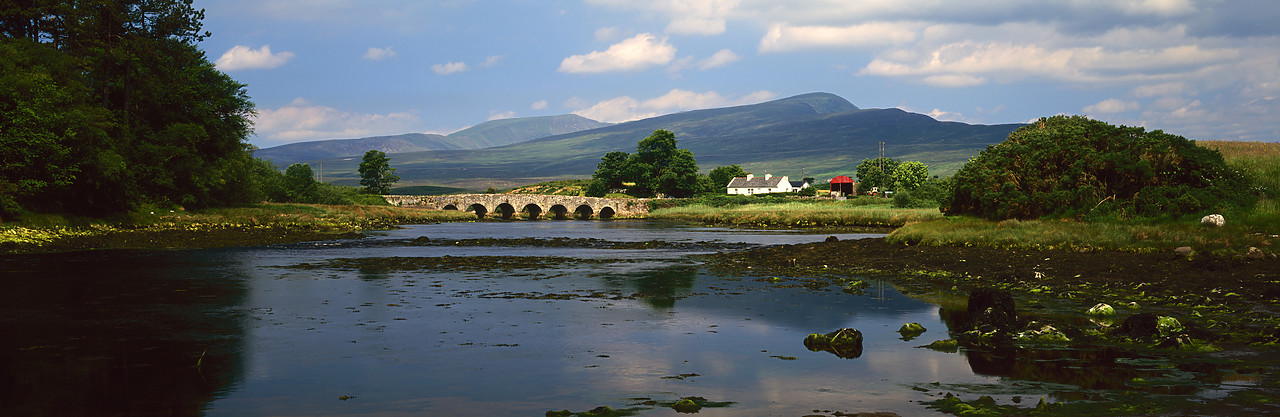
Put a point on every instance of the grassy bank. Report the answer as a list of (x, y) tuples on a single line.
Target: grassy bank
[(805, 213), (1257, 227), (259, 224)]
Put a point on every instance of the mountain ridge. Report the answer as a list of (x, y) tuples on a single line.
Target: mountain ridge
[(489, 134), (817, 134)]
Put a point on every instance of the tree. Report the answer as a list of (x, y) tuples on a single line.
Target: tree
[(611, 170), (141, 115), (376, 173), (679, 178), (909, 175), (1078, 167), (657, 167), (876, 172), (722, 175), (300, 184)]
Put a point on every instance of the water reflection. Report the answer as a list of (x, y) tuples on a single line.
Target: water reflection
[(119, 333)]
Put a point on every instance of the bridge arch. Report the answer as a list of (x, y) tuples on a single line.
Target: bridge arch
[(506, 210), (559, 212), (532, 211), (583, 212), (479, 209), (449, 207), (607, 213)]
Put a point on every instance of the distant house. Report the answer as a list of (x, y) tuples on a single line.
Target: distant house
[(752, 184)]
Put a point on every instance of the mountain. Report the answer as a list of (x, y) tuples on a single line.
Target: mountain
[(485, 135), (819, 135), (508, 131)]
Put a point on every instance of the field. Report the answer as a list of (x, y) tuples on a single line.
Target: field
[(173, 229)]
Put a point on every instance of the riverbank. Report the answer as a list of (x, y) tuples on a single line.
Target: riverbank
[(1235, 298), (262, 224)]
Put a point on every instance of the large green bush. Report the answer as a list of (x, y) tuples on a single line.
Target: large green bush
[(1078, 167)]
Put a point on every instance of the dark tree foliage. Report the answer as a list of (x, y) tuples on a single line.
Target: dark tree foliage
[(722, 175), (300, 185), (877, 172), (1077, 167), (122, 107), (657, 167), (376, 173)]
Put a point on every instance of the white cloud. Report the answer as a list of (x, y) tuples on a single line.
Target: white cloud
[(449, 68), (300, 120), (608, 34), (686, 17), (501, 115), (941, 115), (378, 54), (625, 108), (241, 57), (637, 53), (1112, 105), (783, 38), (492, 60), (954, 80), (538, 105), (1160, 90), (719, 59)]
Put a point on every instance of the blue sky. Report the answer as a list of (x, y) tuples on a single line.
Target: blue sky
[(330, 69)]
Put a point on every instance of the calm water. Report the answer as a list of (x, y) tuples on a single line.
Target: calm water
[(235, 332)]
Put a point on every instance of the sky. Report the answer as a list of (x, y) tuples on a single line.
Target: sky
[(337, 69)]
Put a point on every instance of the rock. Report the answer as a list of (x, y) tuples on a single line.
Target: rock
[(991, 310), (687, 406), (832, 239), (1255, 253), (1042, 334), (1168, 326), (913, 329), (1183, 251), (1215, 220), (1101, 309), (845, 343), (1140, 326), (947, 345)]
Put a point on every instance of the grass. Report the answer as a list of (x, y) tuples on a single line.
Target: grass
[(1257, 227), (36, 231), (806, 213)]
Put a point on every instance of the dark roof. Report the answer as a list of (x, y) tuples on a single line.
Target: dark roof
[(756, 182), (797, 184)]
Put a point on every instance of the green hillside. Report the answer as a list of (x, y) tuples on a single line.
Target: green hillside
[(821, 134), (485, 135)]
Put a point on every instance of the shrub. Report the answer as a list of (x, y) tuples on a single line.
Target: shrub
[(1077, 167)]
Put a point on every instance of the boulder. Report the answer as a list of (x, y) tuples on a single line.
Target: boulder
[(1215, 220), (1183, 251), (992, 310), (845, 343), (1101, 309), (1139, 326), (832, 239), (1254, 253)]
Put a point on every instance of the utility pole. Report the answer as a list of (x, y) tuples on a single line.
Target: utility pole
[(880, 164)]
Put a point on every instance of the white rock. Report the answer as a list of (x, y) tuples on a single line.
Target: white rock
[(1213, 220)]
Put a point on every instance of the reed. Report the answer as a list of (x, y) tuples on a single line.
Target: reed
[(798, 214)]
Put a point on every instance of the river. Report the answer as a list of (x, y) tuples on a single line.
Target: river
[(450, 325)]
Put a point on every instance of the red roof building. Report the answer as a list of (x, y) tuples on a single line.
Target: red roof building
[(843, 186)]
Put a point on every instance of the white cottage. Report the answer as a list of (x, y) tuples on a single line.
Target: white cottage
[(752, 184)]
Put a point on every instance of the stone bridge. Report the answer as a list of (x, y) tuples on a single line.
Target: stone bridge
[(529, 206)]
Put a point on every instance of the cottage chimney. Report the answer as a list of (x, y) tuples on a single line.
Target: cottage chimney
[(749, 177), (768, 176)]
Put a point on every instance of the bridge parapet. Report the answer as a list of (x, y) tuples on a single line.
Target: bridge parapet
[(532, 205)]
